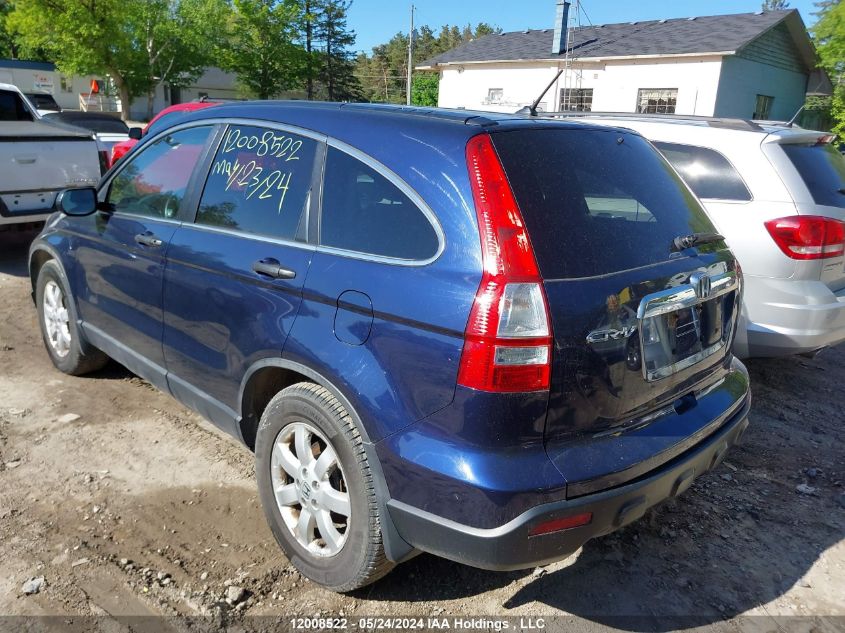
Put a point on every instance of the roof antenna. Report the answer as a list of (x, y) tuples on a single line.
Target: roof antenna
[(532, 109), (795, 118)]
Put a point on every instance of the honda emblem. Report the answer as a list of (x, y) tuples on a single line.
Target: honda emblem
[(701, 284)]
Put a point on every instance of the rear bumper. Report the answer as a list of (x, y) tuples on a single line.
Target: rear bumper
[(10, 215), (783, 317), (510, 547)]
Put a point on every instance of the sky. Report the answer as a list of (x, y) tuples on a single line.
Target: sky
[(376, 21)]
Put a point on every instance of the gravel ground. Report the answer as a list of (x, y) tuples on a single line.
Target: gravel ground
[(117, 501)]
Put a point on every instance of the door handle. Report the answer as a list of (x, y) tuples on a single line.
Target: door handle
[(272, 268), (148, 239)]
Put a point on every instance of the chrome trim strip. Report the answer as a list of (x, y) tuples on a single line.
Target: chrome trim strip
[(139, 216), (684, 296), (689, 361), (251, 236), (331, 142)]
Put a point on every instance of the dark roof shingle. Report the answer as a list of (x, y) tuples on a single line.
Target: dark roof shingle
[(706, 34)]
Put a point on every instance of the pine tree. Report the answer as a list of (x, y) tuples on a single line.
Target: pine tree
[(335, 60), (775, 5)]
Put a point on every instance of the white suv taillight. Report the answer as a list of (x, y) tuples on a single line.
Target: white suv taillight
[(508, 343), (808, 236)]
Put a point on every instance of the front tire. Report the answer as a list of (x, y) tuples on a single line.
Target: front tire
[(317, 490), (67, 348)]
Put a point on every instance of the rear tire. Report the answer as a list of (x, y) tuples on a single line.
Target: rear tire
[(312, 471), (60, 330)]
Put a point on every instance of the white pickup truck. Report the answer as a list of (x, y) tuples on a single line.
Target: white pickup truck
[(38, 159)]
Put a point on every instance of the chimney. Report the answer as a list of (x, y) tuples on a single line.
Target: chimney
[(561, 27)]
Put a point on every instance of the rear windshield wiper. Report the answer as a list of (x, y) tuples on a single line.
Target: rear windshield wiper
[(688, 241)]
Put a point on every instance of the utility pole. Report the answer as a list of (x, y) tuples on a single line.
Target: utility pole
[(410, 58)]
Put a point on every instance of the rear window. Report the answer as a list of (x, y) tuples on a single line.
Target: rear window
[(12, 107), (822, 169), (597, 202), (43, 102), (708, 173)]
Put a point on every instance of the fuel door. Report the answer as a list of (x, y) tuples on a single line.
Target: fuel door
[(353, 320)]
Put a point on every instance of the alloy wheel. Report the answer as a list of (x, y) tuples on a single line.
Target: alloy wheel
[(56, 319), (310, 489)]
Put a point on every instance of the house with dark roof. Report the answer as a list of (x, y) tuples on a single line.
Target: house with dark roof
[(749, 65)]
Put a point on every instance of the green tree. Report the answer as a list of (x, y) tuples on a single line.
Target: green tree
[(176, 41), (383, 73), (829, 35), (261, 46), (775, 5), (309, 16), (8, 48), (138, 43), (337, 69), (424, 89)]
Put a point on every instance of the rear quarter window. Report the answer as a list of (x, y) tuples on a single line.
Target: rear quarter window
[(822, 168), (366, 213), (596, 201), (708, 173)]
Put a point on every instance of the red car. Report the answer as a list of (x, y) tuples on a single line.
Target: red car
[(162, 119)]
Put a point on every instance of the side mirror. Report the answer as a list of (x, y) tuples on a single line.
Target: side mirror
[(136, 133), (77, 202)]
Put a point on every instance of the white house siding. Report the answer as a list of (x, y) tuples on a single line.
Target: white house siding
[(742, 80), (615, 83)]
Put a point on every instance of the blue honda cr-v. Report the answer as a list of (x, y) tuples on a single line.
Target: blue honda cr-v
[(487, 337)]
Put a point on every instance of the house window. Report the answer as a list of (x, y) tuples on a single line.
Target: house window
[(495, 95), (763, 107), (576, 100), (657, 100), (66, 83)]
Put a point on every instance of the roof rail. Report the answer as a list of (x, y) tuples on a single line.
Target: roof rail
[(724, 122)]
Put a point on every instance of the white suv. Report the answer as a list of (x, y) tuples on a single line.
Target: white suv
[(777, 193)]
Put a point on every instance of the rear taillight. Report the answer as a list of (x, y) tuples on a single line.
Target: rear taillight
[(808, 236), (104, 162), (508, 343)]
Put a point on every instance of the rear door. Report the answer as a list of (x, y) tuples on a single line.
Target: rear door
[(636, 325), (375, 297), (121, 252), (234, 277)]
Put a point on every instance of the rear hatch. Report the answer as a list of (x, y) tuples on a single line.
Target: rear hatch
[(813, 170), (40, 159), (637, 326)]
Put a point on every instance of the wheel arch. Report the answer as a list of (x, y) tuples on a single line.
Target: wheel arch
[(273, 375), (265, 378), (39, 254)]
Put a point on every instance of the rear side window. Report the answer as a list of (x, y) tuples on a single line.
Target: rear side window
[(259, 182), (822, 169), (708, 173), (43, 102), (12, 107), (364, 212), (596, 201)]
